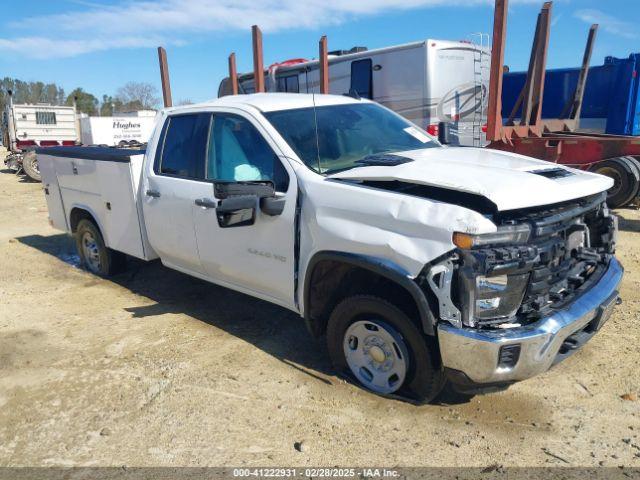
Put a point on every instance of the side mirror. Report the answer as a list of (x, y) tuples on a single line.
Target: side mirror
[(444, 133), (237, 211), (238, 202), (233, 204), (260, 189), (272, 206)]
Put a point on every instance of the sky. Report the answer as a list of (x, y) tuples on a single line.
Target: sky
[(101, 45)]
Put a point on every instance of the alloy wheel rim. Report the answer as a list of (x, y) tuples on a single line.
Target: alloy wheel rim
[(377, 355)]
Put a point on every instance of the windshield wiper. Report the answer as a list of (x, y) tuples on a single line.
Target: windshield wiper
[(383, 160)]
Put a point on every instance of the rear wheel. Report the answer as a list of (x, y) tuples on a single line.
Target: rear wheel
[(377, 343), (635, 161), (95, 256), (30, 166), (626, 179)]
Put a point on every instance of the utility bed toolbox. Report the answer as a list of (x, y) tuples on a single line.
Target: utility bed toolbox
[(102, 181)]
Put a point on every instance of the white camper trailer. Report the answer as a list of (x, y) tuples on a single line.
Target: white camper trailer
[(427, 82), (39, 125), (27, 126)]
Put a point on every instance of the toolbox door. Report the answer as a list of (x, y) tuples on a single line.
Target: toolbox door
[(57, 216)]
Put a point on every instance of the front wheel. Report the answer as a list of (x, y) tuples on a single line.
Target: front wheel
[(95, 256), (383, 349)]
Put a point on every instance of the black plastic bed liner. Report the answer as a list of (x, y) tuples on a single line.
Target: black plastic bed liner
[(105, 154)]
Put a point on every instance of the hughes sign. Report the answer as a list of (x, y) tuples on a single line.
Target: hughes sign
[(112, 130)]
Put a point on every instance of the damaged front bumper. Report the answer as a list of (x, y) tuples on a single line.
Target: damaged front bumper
[(478, 359)]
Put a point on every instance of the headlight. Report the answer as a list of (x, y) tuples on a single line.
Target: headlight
[(499, 296), (510, 234)]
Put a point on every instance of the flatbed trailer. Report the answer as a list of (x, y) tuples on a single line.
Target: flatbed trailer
[(584, 151)]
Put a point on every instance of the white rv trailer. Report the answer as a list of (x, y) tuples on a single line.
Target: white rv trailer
[(27, 126), (39, 125), (427, 82)]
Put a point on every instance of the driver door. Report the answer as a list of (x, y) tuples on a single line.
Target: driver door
[(254, 253)]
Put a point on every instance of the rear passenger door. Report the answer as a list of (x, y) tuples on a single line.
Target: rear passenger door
[(174, 180)]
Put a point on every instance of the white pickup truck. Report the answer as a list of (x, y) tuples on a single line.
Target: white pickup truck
[(421, 263)]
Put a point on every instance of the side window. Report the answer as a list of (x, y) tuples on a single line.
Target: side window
[(238, 152), (185, 145), (45, 118), (361, 78), (288, 84), (163, 133), (292, 84)]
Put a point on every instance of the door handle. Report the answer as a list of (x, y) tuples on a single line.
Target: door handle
[(206, 203), (153, 193)]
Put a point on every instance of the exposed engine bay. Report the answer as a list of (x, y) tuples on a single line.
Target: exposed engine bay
[(557, 252)]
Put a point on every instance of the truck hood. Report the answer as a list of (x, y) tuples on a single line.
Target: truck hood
[(508, 180)]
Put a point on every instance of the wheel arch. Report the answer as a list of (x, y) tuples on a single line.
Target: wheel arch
[(83, 212), (339, 268)]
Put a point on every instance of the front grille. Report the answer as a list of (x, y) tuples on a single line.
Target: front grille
[(569, 244), (554, 279), (571, 241)]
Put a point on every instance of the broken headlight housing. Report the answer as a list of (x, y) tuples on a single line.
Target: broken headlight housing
[(509, 234), (497, 297), (492, 298)]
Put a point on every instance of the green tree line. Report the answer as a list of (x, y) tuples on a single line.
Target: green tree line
[(130, 97)]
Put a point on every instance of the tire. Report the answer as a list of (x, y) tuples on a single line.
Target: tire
[(30, 166), (636, 162), (626, 177), (409, 364), (450, 396), (95, 256)]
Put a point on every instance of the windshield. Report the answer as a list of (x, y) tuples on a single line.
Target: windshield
[(346, 134)]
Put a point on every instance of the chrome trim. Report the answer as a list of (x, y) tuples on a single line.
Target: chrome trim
[(475, 352)]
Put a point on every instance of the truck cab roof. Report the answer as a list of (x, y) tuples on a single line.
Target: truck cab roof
[(270, 102)]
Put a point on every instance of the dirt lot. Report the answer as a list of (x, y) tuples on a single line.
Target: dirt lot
[(157, 368)]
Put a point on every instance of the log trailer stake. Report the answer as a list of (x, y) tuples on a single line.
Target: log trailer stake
[(233, 74), (258, 64), (164, 77), (324, 65)]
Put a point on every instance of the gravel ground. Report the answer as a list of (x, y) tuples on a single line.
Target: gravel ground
[(157, 368)]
